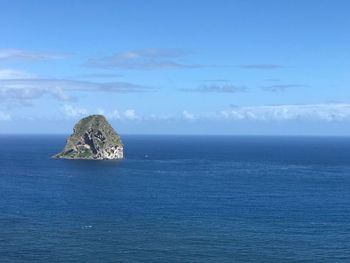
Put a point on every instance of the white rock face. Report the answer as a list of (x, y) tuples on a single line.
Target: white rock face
[(115, 152)]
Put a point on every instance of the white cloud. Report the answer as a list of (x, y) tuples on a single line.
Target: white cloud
[(217, 88), (72, 85), (4, 116), (20, 54), (22, 91), (262, 66), (316, 112), (14, 74), (59, 93), (282, 87), (74, 112), (187, 115), (143, 59), (130, 114), (20, 96), (115, 115), (332, 112)]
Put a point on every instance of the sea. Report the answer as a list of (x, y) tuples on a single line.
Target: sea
[(177, 199)]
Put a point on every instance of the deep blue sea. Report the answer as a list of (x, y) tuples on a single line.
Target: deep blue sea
[(177, 199)]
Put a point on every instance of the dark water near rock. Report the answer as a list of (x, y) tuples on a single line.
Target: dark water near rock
[(177, 199)]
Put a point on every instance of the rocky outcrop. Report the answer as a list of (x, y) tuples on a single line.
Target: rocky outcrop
[(93, 138)]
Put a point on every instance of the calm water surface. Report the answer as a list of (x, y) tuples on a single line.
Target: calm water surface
[(177, 199)]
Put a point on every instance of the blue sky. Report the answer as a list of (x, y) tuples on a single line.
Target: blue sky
[(176, 67)]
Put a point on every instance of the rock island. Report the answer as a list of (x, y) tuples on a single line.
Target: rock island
[(93, 138)]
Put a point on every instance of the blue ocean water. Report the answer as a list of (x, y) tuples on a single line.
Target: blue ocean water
[(177, 199)]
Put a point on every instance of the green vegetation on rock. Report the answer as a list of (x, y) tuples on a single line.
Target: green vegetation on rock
[(93, 138)]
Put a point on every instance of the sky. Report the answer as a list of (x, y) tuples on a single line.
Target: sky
[(235, 67)]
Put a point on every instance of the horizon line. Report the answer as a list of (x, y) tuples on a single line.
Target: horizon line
[(183, 134)]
